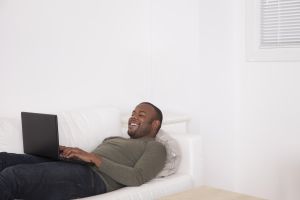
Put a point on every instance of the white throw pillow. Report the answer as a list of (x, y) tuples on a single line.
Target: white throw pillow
[(86, 128), (173, 153), (11, 135)]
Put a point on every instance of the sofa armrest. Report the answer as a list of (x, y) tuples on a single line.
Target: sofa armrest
[(191, 156)]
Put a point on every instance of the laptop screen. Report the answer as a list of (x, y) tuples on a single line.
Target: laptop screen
[(40, 134)]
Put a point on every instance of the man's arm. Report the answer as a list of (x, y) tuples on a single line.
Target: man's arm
[(146, 168)]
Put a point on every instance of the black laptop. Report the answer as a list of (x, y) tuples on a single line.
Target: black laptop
[(40, 136)]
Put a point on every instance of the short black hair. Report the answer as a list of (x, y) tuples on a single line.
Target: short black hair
[(159, 115)]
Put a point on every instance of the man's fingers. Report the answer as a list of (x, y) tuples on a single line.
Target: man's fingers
[(71, 152)]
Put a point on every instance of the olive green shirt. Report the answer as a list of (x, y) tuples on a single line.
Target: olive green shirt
[(129, 162)]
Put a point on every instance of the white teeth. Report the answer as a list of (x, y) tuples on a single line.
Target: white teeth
[(133, 124)]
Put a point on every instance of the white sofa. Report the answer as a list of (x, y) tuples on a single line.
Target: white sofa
[(86, 128)]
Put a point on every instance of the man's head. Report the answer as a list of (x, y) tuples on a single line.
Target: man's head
[(145, 120)]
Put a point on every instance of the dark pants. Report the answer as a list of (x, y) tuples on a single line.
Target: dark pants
[(32, 177)]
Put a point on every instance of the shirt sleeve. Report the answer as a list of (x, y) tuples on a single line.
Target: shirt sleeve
[(146, 168)]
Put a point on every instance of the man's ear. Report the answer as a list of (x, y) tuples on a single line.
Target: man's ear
[(155, 124)]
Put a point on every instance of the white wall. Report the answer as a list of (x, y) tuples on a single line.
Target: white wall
[(194, 70), (247, 112), (186, 56), (268, 142), (267, 150), (64, 54)]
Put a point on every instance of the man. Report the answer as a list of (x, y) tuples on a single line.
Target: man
[(117, 162)]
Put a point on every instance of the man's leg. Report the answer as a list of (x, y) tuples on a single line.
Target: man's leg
[(11, 159), (49, 181)]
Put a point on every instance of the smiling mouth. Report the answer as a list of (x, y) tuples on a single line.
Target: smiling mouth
[(133, 125)]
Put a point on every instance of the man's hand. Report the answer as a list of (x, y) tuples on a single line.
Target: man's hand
[(74, 152)]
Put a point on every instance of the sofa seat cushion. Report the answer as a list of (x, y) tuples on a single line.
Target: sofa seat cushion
[(154, 189)]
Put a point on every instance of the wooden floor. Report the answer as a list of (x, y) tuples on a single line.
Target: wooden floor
[(209, 193)]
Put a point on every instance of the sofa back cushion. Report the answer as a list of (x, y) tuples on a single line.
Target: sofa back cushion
[(11, 135), (83, 128), (86, 128)]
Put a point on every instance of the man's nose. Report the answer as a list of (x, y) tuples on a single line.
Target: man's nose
[(133, 116)]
